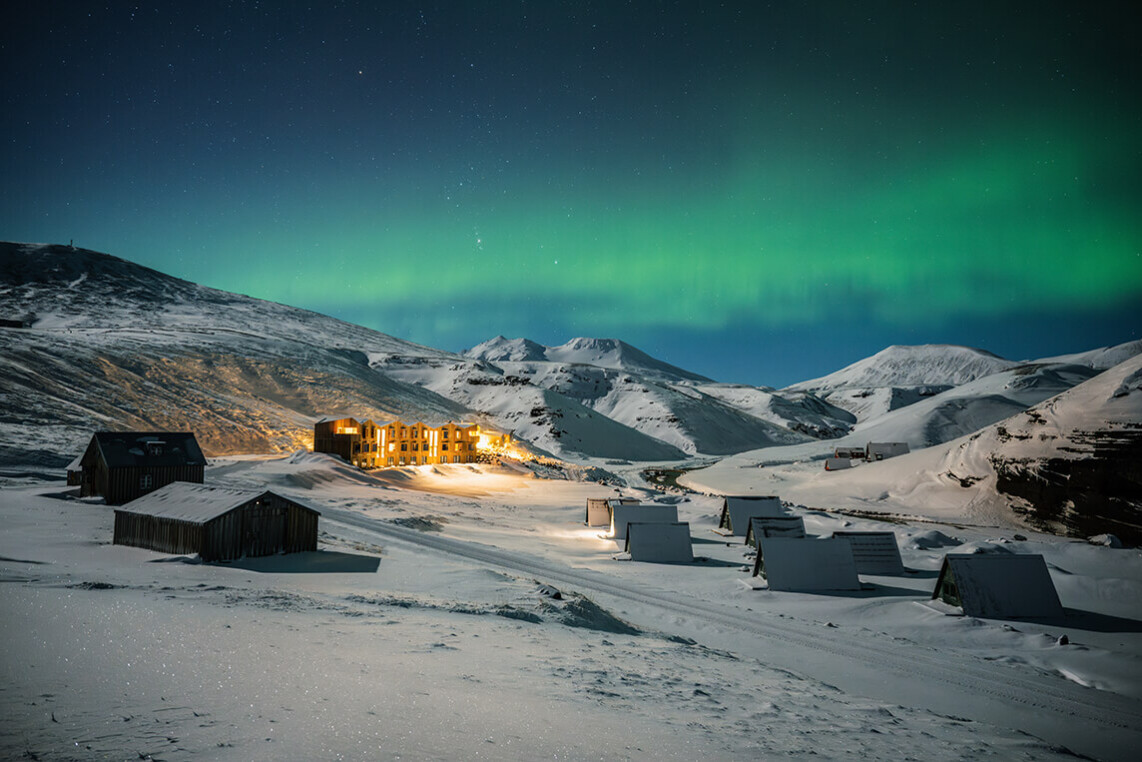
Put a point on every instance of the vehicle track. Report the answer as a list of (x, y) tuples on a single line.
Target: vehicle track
[(917, 662)]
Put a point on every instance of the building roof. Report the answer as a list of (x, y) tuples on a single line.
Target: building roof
[(1002, 585), (195, 503), (123, 449), (874, 552), (661, 542), (737, 510), (807, 565)]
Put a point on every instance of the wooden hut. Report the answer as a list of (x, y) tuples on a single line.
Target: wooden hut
[(998, 585), (666, 543), (216, 523), (599, 509), (806, 565), (123, 465), (737, 510)]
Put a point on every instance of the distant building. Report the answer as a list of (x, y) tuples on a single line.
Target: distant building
[(216, 523), (371, 445), (882, 450), (123, 465)]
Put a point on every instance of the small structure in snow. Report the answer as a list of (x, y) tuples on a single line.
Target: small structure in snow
[(838, 464), (599, 509), (882, 450), (998, 585), (122, 465), (737, 510), (665, 543), (216, 523), (806, 565), (774, 526), (849, 453), (624, 513), (874, 552)]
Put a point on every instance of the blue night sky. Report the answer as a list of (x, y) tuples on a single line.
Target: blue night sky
[(759, 192)]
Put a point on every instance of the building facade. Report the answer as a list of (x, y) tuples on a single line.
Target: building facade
[(371, 445)]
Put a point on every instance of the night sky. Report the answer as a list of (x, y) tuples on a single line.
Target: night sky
[(758, 192)]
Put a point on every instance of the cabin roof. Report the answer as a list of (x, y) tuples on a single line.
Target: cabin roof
[(123, 449), (196, 503)]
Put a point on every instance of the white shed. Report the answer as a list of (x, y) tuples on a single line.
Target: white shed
[(662, 543), (737, 510), (774, 526), (998, 585), (599, 509), (806, 565), (653, 513), (874, 552)]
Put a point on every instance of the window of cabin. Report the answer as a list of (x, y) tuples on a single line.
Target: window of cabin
[(403, 448), (444, 434), (146, 481), (444, 446), (390, 461)]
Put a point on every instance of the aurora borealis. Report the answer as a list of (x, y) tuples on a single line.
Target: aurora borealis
[(757, 192)]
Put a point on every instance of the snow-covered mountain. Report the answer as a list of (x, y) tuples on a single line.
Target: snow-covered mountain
[(110, 344), (601, 353)]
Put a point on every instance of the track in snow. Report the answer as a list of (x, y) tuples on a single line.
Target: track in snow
[(962, 672)]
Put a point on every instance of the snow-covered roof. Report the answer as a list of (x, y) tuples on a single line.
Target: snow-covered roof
[(807, 565), (999, 585), (874, 552), (623, 514), (149, 448), (198, 503), (737, 510), (667, 543), (774, 526)]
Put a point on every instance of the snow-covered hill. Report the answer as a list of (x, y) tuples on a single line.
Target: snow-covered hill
[(111, 344)]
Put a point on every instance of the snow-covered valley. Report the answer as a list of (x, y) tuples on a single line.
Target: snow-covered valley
[(424, 626)]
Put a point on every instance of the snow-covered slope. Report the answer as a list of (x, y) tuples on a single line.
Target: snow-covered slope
[(693, 414), (116, 345), (600, 353), (911, 366)]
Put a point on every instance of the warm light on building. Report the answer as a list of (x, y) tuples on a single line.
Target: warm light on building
[(394, 444)]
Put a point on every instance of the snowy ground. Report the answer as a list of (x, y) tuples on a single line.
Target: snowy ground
[(418, 630)]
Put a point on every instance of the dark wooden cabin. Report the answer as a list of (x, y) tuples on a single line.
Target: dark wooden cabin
[(216, 523), (124, 465)]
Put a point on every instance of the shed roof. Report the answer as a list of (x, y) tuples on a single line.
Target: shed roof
[(806, 565), (1001, 584), (196, 503), (123, 449), (737, 510)]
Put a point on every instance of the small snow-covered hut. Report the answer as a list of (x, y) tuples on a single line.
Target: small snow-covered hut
[(882, 450), (806, 565), (998, 585), (849, 453), (737, 510), (874, 552), (653, 513), (216, 523), (666, 543), (599, 509), (838, 464), (774, 526)]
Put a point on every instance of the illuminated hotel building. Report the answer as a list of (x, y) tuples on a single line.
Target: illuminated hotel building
[(378, 445)]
